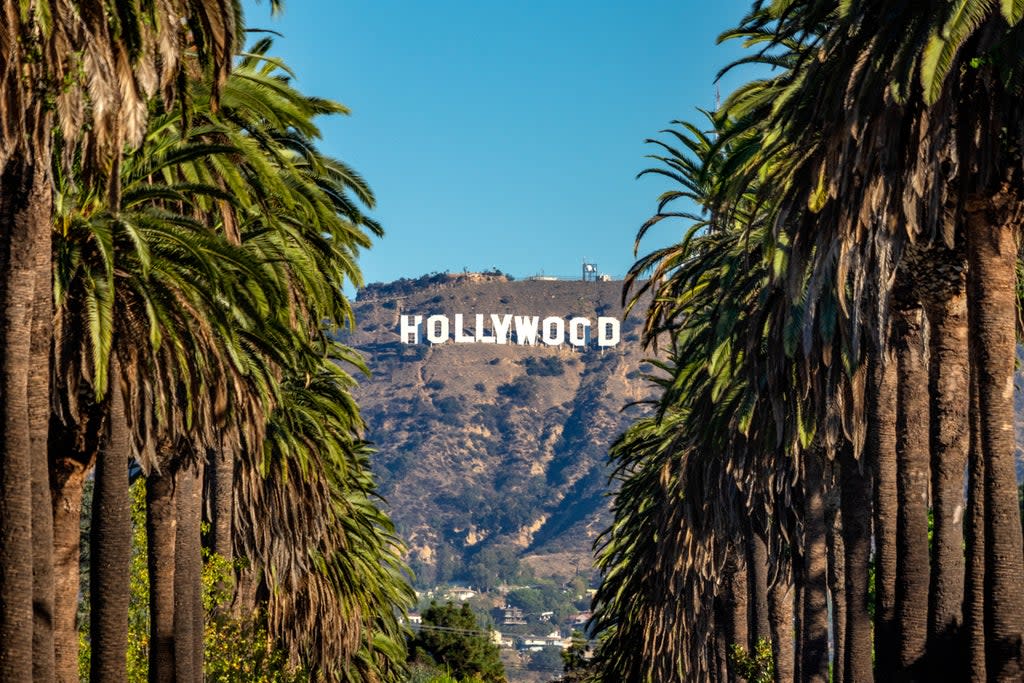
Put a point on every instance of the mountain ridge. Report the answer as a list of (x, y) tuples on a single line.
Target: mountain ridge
[(495, 446)]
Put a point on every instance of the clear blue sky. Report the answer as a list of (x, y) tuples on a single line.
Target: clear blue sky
[(505, 134)]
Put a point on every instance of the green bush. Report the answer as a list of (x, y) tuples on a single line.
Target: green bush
[(523, 389), (449, 405), (755, 667), (548, 366)]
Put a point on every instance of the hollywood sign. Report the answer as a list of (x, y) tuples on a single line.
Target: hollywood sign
[(508, 328)]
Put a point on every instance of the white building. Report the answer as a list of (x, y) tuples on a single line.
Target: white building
[(457, 594)]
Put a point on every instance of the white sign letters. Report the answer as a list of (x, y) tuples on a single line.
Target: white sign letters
[(510, 329)]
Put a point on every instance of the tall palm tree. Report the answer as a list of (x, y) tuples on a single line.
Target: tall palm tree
[(713, 436), (111, 548), (307, 520), (945, 305), (897, 169), (912, 565), (114, 57), (642, 609), (264, 235), (825, 193), (143, 271)]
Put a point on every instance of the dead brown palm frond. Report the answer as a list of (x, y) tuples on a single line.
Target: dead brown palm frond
[(308, 521), (97, 65)]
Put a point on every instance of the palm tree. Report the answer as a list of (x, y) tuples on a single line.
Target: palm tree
[(70, 56), (111, 548), (141, 272), (758, 570), (712, 437), (330, 560), (880, 452), (949, 379), (814, 622), (642, 609), (887, 172), (855, 484), (781, 606), (287, 230), (839, 207)]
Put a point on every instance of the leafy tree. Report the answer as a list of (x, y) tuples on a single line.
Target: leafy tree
[(522, 389), (493, 565), (543, 366), (530, 600), (452, 638)]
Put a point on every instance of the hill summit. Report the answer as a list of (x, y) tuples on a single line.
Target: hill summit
[(492, 454)]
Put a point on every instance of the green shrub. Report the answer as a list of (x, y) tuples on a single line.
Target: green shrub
[(523, 389), (547, 366), (755, 667)]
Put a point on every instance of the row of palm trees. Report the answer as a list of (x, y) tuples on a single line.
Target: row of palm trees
[(832, 458), (173, 252)]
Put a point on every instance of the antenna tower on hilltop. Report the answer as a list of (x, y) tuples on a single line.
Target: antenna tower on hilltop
[(589, 271)]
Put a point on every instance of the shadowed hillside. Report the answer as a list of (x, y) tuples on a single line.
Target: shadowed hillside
[(495, 446)]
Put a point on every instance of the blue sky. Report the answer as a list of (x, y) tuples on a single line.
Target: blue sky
[(505, 134)]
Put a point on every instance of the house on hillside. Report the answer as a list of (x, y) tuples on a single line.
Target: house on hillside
[(501, 641), (457, 594), (513, 615), (554, 639), (532, 643)]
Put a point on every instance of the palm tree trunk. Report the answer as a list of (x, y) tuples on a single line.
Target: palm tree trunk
[(111, 548), (25, 224), (183, 569), (736, 606), (814, 649), (836, 581), (721, 666), (912, 574), (161, 528), (798, 624), (974, 598), (196, 551), (220, 472), (950, 381), (757, 573), (992, 253), (221, 477), (881, 454), (69, 475), (188, 610), (43, 654), (780, 603), (855, 485)]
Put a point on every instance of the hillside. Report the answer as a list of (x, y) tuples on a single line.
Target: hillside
[(490, 453)]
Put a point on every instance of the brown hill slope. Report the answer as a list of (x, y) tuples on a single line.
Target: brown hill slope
[(494, 446)]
